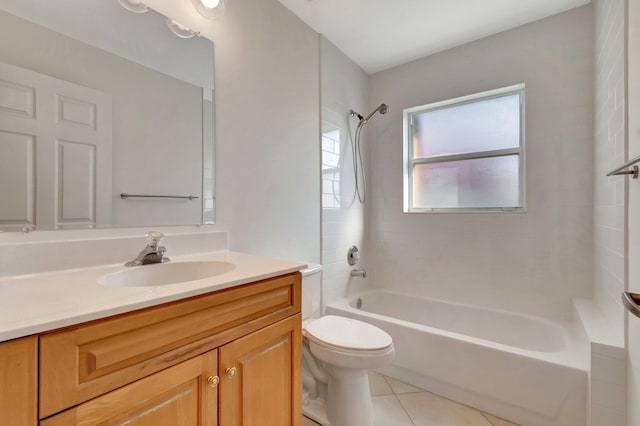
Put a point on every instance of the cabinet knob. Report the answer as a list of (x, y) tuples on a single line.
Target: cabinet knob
[(213, 381), (231, 372)]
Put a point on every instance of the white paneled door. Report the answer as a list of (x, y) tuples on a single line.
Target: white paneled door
[(55, 152), (633, 236)]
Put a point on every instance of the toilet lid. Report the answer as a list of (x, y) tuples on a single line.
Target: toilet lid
[(347, 333)]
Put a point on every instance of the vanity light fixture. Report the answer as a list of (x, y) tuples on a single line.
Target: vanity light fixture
[(134, 6), (211, 4), (210, 8), (179, 29)]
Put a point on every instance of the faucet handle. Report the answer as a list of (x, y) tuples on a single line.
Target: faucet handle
[(153, 238)]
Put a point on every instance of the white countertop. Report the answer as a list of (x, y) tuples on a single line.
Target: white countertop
[(35, 303)]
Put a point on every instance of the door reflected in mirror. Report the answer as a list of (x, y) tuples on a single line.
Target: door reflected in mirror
[(97, 100)]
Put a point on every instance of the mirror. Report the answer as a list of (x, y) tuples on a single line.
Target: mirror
[(97, 101)]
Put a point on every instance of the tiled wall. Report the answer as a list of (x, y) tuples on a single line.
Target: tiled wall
[(536, 260), (608, 365), (344, 87), (608, 386), (610, 147)]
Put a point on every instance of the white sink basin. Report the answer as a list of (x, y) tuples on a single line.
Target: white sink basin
[(165, 273)]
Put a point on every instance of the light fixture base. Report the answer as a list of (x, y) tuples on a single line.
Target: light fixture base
[(134, 6)]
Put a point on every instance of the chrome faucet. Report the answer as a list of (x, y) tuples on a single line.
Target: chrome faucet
[(152, 253), (359, 273)]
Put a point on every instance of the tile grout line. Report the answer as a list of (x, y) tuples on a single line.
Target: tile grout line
[(404, 409), (398, 399), (426, 391), (488, 419)]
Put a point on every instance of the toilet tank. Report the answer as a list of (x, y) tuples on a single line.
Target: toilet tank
[(311, 291)]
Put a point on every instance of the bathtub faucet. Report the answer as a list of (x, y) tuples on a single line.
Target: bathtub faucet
[(359, 273)]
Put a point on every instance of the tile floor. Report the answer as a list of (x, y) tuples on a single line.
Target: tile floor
[(396, 403)]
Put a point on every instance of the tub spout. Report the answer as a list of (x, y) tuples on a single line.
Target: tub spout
[(359, 273)]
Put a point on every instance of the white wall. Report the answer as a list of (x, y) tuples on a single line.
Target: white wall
[(141, 38), (534, 261), (343, 87), (267, 124)]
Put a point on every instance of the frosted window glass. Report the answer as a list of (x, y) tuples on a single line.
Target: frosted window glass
[(331, 139), (485, 125), (476, 183)]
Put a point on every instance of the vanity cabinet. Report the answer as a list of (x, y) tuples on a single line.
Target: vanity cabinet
[(259, 377), (231, 357), (177, 396), (19, 382)]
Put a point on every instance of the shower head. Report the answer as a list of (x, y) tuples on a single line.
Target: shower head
[(382, 109)]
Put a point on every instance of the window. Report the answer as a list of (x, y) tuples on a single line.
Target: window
[(331, 141), (466, 154)]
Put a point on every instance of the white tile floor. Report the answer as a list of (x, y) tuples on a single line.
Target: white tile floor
[(398, 404)]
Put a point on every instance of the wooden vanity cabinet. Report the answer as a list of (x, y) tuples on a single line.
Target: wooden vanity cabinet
[(231, 357), (19, 382), (260, 381), (177, 396)]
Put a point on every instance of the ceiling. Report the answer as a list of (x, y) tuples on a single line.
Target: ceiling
[(380, 34)]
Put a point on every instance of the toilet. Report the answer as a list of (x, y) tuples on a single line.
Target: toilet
[(338, 353)]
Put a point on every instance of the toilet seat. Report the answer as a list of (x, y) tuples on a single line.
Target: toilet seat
[(347, 335)]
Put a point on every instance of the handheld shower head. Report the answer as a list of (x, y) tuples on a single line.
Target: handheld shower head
[(382, 109)]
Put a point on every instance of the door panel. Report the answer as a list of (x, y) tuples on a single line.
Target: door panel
[(264, 389), (17, 179), (177, 396), (56, 136)]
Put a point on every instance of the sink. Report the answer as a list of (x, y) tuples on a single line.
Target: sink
[(165, 273)]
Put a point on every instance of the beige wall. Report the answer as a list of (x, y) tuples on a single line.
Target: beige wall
[(534, 261)]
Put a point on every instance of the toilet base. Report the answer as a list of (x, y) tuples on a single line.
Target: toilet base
[(316, 410), (348, 400), (348, 397)]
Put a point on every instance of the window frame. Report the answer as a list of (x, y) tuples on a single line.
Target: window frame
[(409, 161)]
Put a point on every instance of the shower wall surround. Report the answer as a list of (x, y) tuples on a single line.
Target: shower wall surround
[(610, 150), (609, 372), (343, 87), (538, 260)]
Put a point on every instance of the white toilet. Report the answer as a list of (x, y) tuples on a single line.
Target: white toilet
[(338, 353)]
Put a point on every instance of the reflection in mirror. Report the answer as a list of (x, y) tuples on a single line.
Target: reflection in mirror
[(97, 100)]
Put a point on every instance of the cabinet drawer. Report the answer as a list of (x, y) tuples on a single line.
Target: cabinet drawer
[(82, 362)]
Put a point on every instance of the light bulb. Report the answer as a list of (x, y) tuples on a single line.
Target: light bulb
[(210, 4), (210, 9)]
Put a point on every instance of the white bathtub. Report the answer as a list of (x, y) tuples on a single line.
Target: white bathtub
[(530, 370)]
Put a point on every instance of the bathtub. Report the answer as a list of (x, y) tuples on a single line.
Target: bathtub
[(530, 370)]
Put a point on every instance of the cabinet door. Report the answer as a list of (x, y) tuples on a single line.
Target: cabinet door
[(19, 382), (260, 377), (183, 395)]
